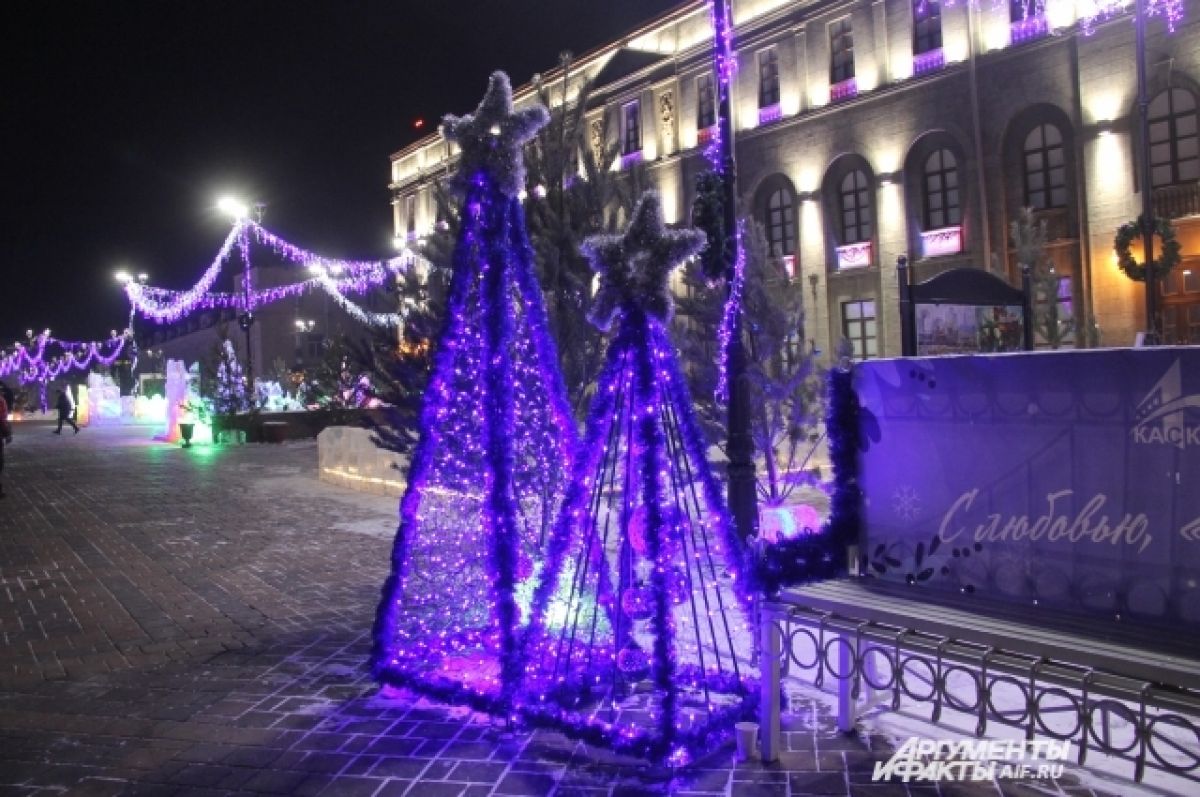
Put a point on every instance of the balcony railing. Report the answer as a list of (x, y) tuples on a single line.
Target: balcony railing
[(853, 256), (944, 241), (1177, 201), (844, 90), (927, 62), (1028, 29), (771, 113), (789, 265)]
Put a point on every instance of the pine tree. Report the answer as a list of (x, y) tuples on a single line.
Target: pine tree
[(1029, 243), (230, 396), (400, 368), (572, 193), (784, 378)]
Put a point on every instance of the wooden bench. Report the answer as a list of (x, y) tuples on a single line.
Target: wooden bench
[(856, 625)]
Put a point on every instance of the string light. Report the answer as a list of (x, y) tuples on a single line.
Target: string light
[(348, 277), (729, 316), (642, 575), (50, 357), (496, 438)]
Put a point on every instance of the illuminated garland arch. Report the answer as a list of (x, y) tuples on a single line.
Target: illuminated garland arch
[(335, 277), (1128, 232), (53, 357)]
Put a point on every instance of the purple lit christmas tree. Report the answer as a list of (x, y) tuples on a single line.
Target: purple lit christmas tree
[(640, 637), (487, 474)]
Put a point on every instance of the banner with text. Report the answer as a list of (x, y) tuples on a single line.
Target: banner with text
[(1066, 480)]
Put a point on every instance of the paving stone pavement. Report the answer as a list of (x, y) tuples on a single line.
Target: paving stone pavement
[(198, 622)]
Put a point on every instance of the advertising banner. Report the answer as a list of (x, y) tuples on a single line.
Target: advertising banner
[(1067, 481)]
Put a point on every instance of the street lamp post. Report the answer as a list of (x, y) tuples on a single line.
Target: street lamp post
[(1145, 184), (240, 212), (739, 444)]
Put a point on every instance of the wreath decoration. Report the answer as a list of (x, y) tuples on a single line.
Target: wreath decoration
[(1128, 232)]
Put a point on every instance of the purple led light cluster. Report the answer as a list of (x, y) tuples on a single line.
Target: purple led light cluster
[(726, 68), (1170, 10), (486, 476), (733, 306), (1028, 29), (927, 62), (643, 581), (50, 358), (336, 277)]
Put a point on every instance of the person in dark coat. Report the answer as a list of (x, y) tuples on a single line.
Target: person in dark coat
[(66, 408), (5, 431)]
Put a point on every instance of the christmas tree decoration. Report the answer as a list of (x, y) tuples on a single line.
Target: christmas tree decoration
[(487, 473), (640, 638), (231, 395)]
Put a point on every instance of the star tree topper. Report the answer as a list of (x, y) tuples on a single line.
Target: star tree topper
[(492, 137), (634, 267)]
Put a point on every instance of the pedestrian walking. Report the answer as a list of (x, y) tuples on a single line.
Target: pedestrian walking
[(66, 410), (5, 430)]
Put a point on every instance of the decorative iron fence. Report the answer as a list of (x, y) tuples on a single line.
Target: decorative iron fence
[(907, 670)]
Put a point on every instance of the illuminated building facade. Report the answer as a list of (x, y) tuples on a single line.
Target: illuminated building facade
[(870, 130)]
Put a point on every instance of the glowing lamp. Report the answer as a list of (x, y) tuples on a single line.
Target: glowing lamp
[(233, 208)]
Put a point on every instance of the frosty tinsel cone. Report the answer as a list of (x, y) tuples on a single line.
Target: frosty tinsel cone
[(641, 636), (486, 476)]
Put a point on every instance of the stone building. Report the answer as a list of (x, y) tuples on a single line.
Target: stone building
[(870, 129)]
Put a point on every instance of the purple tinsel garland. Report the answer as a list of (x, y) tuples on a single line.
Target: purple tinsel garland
[(73, 356)]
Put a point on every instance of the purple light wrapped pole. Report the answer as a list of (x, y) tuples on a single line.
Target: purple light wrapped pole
[(743, 500)]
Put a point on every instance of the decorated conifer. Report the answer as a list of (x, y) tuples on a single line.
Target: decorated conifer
[(231, 393)]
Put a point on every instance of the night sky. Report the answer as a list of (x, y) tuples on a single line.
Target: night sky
[(124, 120)]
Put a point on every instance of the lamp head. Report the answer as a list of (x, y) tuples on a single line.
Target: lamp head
[(233, 207)]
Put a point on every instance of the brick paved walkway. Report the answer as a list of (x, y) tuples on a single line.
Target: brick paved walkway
[(198, 622)]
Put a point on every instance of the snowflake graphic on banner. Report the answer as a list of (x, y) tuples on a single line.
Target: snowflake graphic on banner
[(906, 503)]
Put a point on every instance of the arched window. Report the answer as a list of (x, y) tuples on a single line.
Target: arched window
[(1045, 168), (854, 201), (1174, 144), (780, 222), (942, 203)]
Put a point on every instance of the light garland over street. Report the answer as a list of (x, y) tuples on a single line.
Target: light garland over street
[(335, 277)]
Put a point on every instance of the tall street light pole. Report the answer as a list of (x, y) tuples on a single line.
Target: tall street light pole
[(1145, 185), (739, 444), (240, 213)]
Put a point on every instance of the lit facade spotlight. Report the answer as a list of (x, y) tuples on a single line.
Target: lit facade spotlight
[(122, 277), (233, 207)]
